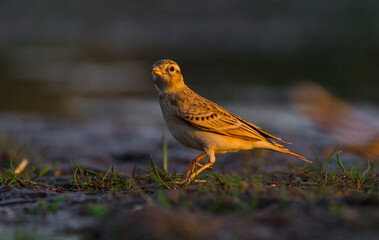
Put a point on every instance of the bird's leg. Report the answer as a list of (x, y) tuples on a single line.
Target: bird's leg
[(212, 160), (194, 163)]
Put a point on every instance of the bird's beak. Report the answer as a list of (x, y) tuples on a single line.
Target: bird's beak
[(157, 71)]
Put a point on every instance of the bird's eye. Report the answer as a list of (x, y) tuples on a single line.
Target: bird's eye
[(172, 69)]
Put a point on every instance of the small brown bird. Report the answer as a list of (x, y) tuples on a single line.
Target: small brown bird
[(354, 130), (203, 125)]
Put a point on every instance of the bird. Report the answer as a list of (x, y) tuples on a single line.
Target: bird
[(353, 129), (201, 124)]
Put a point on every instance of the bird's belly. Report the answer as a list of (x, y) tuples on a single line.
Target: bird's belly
[(223, 144), (186, 135), (202, 140)]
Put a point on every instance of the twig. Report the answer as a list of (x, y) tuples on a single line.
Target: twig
[(22, 165)]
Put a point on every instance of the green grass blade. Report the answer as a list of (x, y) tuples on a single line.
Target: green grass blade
[(165, 145), (155, 173)]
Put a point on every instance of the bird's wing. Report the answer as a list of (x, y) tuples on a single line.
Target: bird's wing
[(208, 116)]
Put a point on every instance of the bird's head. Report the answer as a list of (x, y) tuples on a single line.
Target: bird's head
[(167, 76)]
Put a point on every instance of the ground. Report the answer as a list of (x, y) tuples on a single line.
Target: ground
[(112, 189)]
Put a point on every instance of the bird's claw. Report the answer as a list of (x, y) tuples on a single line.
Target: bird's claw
[(188, 180)]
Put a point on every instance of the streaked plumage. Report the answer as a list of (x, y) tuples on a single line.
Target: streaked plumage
[(203, 125)]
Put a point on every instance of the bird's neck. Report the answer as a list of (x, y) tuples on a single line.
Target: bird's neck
[(172, 87)]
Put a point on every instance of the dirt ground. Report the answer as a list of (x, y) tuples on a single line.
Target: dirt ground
[(280, 205)]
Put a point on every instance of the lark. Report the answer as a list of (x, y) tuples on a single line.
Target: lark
[(201, 124)]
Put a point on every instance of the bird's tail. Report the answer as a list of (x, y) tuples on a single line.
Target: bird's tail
[(280, 148)]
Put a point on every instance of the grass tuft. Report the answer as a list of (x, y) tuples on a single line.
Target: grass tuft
[(10, 176), (86, 179), (355, 176), (160, 176)]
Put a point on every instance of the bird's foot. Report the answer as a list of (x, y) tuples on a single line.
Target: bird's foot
[(192, 167), (187, 180)]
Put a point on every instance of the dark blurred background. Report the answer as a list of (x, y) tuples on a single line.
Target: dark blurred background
[(53, 53)]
